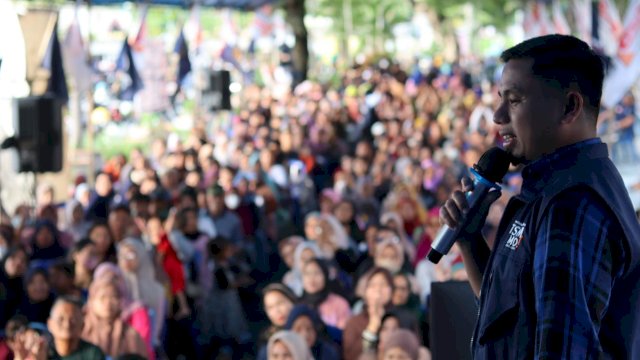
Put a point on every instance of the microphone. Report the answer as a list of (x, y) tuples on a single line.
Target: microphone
[(490, 169)]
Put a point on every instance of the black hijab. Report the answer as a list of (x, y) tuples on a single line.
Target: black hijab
[(314, 300), (54, 251), (36, 311), (11, 289)]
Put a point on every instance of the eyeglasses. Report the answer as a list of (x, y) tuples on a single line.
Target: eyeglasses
[(392, 239), (128, 256)]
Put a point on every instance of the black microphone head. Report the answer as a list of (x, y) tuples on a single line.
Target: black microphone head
[(493, 164), (434, 255)]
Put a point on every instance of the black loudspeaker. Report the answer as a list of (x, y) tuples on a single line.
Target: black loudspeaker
[(218, 91), (452, 315), (39, 134)]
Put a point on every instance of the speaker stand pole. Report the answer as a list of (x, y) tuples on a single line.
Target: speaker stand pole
[(34, 194)]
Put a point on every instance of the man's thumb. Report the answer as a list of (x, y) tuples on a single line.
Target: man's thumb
[(489, 199), (492, 196)]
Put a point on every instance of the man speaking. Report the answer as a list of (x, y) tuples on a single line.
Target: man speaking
[(562, 279)]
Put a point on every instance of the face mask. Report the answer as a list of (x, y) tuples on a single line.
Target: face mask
[(16, 221), (259, 201), (232, 201), (388, 264)]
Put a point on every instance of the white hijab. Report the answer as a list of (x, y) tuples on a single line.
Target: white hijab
[(143, 284)]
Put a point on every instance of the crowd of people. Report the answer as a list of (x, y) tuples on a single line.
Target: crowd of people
[(297, 230)]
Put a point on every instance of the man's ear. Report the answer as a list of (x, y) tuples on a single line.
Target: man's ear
[(573, 108)]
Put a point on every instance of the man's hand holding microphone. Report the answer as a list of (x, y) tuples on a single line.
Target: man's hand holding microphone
[(465, 213)]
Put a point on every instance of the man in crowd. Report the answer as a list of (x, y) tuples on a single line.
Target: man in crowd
[(65, 325)]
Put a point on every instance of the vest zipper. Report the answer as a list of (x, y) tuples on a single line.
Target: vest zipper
[(478, 313)]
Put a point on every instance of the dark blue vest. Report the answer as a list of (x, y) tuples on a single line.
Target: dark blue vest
[(507, 316)]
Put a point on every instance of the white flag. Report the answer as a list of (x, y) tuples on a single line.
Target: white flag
[(13, 66), (626, 65)]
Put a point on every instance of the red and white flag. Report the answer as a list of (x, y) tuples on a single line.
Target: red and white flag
[(193, 29), (137, 41), (582, 15), (263, 21), (560, 23), (75, 56), (629, 45), (625, 69), (609, 27), (536, 20)]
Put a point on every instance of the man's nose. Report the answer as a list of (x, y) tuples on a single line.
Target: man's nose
[(501, 116)]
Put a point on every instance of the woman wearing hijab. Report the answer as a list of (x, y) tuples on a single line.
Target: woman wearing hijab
[(101, 236), (395, 320), (388, 255), (304, 252), (395, 222), (305, 322), (334, 244), (138, 271), (38, 300), (362, 329), (401, 344), (84, 260), (333, 309), (288, 345), (103, 325), (404, 297), (278, 301), (345, 211), (12, 269), (76, 225), (133, 312), (287, 248), (328, 234), (45, 243)]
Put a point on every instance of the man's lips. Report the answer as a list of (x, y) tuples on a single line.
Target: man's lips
[(507, 138)]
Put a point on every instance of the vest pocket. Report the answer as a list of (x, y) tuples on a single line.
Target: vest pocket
[(500, 309)]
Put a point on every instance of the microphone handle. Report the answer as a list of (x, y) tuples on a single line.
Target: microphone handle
[(447, 236)]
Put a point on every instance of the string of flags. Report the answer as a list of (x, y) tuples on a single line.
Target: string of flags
[(598, 23), (616, 37)]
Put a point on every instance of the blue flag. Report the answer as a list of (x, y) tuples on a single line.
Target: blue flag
[(184, 64), (131, 83), (52, 61)]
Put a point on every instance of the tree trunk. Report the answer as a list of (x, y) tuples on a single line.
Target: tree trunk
[(295, 12)]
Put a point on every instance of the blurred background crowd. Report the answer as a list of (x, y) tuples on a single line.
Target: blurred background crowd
[(299, 226), (315, 191)]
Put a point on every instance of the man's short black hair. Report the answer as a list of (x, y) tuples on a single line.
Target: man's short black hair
[(138, 197), (64, 267), (121, 207), (565, 62), (77, 303)]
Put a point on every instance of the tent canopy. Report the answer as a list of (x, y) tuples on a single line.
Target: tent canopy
[(245, 5)]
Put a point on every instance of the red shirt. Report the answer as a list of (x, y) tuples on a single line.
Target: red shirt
[(171, 264)]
